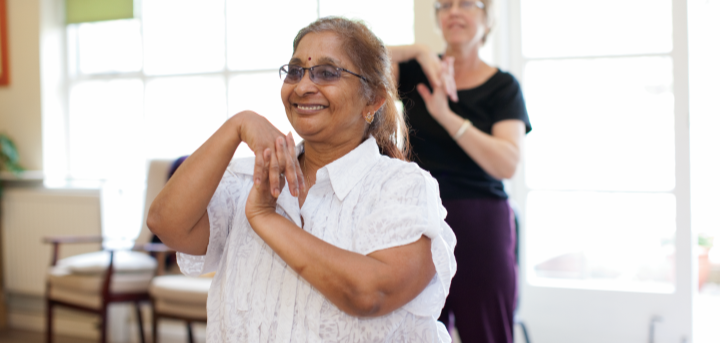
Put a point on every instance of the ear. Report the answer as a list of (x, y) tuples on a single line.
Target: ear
[(374, 106)]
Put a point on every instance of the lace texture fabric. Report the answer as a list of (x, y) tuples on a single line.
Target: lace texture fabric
[(362, 202)]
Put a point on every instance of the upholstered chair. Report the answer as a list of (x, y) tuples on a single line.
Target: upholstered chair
[(91, 282)]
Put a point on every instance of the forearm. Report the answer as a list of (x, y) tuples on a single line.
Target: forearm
[(357, 284), (404, 53), (498, 157), (182, 203)]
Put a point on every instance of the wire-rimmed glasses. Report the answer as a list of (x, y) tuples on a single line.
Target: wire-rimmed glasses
[(465, 5), (320, 74)]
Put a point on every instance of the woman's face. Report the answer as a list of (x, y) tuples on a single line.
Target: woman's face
[(462, 22), (330, 113)]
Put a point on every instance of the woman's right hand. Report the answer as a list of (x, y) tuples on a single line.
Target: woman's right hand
[(259, 134), (440, 73)]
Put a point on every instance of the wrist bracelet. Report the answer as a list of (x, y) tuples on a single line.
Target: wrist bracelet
[(466, 124)]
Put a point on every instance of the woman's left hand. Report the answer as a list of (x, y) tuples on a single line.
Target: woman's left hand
[(261, 201), (437, 101)]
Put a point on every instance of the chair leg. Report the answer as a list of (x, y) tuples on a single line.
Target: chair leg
[(154, 325), (191, 338), (525, 332), (103, 324), (49, 322), (141, 331)]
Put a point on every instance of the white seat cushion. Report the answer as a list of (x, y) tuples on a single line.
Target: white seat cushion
[(97, 262), (194, 311), (62, 277), (181, 289)]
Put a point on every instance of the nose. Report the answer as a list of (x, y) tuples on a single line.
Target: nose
[(455, 8), (305, 86)]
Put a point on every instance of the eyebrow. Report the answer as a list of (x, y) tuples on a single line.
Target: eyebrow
[(321, 60)]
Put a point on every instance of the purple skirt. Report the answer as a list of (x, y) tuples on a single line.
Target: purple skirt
[(482, 295)]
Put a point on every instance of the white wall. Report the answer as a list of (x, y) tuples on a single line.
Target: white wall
[(20, 102)]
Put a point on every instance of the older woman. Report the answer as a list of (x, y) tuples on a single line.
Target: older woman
[(353, 247), (468, 133)]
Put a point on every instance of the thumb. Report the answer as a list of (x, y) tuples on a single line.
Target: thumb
[(424, 92)]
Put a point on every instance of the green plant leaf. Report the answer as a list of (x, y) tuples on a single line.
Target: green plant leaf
[(8, 149)]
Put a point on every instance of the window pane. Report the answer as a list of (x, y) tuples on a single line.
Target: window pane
[(184, 36), (278, 31), (181, 113), (573, 242), (601, 124), (110, 46), (392, 21), (704, 27), (556, 28), (105, 123), (259, 92)]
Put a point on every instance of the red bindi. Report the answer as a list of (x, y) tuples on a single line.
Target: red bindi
[(309, 58)]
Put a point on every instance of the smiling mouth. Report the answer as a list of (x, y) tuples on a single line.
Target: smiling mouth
[(310, 107)]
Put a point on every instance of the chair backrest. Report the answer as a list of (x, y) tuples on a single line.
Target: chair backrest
[(156, 179)]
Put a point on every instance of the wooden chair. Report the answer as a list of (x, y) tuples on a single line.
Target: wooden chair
[(91, 282), (180, 297)]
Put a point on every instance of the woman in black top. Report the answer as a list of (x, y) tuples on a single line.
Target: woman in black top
[(469, 139)]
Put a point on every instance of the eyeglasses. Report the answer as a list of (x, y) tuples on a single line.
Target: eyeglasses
[(320, 74), (465, 6)]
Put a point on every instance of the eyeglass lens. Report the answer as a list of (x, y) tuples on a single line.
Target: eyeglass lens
[(463, 5), (320, 74)]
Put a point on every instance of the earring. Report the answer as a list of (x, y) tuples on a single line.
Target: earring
[(369, 117)]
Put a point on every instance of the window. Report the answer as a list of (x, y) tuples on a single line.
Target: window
[(600, 164), (159, 85)]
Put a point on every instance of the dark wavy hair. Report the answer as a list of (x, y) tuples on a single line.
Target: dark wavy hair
[(369, 55)]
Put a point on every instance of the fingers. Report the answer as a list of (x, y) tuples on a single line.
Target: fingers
[(297, 177), (274, 172), (260, 171), (424, 92), (449, 78), (431, 65), (287, 165)]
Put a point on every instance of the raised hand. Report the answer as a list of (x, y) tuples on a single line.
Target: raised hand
[(260, 135), (261, 200), (440, 73)]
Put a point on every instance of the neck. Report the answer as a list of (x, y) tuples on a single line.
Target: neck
[(318, 155), (466, 57)]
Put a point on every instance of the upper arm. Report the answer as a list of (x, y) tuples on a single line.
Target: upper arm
[(406, 271), (511, 131), (196, 241)]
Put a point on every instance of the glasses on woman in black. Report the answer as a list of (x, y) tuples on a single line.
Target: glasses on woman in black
[(320, 74)]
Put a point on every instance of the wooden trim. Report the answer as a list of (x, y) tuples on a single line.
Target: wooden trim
[(4, 55)]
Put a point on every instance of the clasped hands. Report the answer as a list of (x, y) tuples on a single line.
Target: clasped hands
[(275, 163), (441, 74)]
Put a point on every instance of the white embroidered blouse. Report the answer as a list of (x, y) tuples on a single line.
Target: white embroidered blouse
[(362, 202)]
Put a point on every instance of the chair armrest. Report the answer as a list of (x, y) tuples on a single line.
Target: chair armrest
[(68, 239), (72, 239), (161, 251), (153, 247)]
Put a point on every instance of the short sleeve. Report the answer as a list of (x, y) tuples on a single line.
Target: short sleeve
[(407, 208), (221, 212), (509, 102)]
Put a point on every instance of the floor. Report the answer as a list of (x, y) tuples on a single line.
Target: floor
[(18, 336)]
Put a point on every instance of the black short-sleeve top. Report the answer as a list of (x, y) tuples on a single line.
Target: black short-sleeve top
[(499, 98)]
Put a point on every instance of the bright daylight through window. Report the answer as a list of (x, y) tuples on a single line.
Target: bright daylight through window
[(601, 160), (159, 85)]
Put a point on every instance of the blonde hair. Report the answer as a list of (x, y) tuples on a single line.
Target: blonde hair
[(369, 55)]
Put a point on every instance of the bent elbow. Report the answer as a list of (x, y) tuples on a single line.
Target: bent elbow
[(154, 221), (366, 304)]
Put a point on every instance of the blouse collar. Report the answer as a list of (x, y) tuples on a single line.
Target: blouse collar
[(347, 171)]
